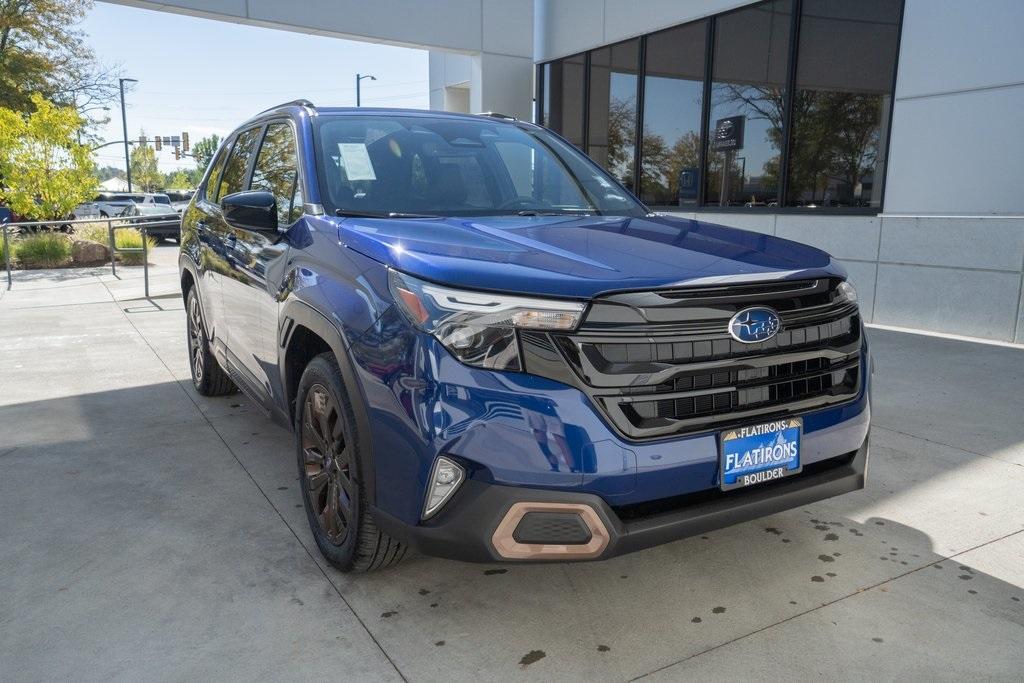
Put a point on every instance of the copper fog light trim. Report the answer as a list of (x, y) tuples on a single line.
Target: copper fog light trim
[(511, 549)]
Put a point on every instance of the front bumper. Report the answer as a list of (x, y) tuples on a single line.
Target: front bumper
[(466, 528)]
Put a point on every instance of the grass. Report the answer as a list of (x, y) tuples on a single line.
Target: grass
[(130, 238), (43, 250), (94, 232), (3, 255)]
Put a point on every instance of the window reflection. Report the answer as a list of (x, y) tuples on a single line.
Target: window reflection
[(841, 103), (277, 172), (213, 182), (612, 114), (233, 179), (745, 125), (563, 108), (673, 96)]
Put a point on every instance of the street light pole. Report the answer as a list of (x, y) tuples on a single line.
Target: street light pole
[(359, 78), (124, 127)]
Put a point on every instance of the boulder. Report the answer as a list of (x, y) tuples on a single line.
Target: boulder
[(87, 252)]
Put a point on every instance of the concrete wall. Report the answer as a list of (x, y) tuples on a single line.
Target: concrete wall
[(959, 275), (565, 27), (957, 139)]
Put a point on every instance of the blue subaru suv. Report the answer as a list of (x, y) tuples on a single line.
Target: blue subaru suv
[(489, 350)]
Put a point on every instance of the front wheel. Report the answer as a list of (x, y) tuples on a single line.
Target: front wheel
[(208, 378), (332, 487)]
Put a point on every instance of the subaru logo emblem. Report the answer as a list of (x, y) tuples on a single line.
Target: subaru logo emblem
[(752, 325)]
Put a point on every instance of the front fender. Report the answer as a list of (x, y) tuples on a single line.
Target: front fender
[(296, 314)]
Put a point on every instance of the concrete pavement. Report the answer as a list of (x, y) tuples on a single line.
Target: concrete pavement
[(147, 532)]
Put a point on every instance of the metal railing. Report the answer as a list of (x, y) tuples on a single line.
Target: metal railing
[(140, 223)]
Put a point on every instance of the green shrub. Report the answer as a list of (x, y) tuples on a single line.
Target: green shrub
[(130, 238), (44, 250), (94, 232), (3, 255)]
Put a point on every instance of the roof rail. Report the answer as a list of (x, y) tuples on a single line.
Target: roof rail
[(294, 103), (497, 115)]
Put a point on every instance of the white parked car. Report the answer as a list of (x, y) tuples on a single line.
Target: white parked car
[(113, 203)]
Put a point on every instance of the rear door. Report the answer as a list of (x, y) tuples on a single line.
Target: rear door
[(261, 257), (240, 319), (209, 246)]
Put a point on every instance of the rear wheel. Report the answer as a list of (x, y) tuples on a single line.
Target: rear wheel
[(208, 378), (332, 486)]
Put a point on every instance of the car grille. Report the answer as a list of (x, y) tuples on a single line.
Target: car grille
[(663, 363)]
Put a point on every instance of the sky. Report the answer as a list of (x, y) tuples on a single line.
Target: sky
[(205, 76)]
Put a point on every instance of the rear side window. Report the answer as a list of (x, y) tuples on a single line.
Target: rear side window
[(277, 172), (238, 163), (213, 182)]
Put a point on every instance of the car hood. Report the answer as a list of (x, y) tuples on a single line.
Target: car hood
[(579, 257)]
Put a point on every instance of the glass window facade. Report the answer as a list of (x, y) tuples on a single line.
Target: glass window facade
[(841, 102), (563, 106), (673, 106), (612, 110), (779, 104)]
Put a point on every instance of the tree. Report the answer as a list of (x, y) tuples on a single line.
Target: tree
[(179, 180), (44, 172), (108, 172), (145, 174), (203, 151), (42, 52)]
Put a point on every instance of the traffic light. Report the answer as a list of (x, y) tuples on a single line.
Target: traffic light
[(184, 141), (142, 141), (177, 153), (157, 143)]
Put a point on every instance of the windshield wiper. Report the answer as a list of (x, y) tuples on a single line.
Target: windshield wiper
[(541, 212), (346, 213)]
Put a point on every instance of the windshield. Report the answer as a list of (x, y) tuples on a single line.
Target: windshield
[(414, 165)]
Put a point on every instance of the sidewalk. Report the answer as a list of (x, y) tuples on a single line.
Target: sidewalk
[(148, 532)]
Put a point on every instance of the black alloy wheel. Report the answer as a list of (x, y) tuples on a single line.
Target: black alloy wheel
[(328, 467), (330, 458), (208, 378)]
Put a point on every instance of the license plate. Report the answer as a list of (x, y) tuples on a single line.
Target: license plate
[(760, 453)]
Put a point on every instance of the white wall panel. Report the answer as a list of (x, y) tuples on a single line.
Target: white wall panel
[(953, 45), (973, 242), (969, 302), (957, 154), (508, 27), (567, 27), (629, 18), (845, 237)]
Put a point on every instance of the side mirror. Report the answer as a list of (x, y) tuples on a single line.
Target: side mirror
[(252, 210)]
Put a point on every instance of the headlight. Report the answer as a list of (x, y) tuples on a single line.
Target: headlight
[(847, 292), (476, 327)]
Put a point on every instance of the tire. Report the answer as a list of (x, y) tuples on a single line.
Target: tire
[(208, 378), (326, 444)]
